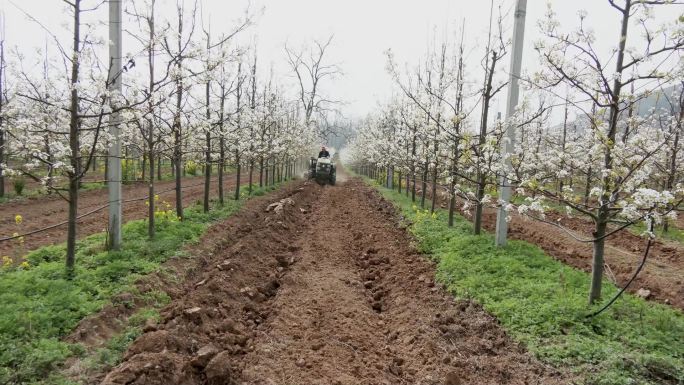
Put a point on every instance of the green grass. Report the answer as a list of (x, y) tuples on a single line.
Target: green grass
[(39, 306), (111, 353), (674, 233), (542, 303)]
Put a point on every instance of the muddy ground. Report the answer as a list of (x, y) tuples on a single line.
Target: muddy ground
[(323, 288), (44, 211)]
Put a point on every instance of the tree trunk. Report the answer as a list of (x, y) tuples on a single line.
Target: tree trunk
[(563, 140), (150, 133), (151, 195), (251, 176), (49, 172), (478, 205), (273, 171), (587, 187), (280, 173), (452, 206), (74, 144), (607, 180), (434, 187), (673, 155), (597, 261), (143, 168), (207, 170), (178, 139), (452, 187), (159, 167), (424, 185), (105, 177), (71, 226), (178, 175), (413, 165), (266, 171), (222, 165), (238, 175), (481, 176)]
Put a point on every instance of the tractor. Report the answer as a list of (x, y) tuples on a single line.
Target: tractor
[(322, 170)]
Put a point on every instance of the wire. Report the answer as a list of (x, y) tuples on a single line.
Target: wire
[(624, 288), (93, 212)]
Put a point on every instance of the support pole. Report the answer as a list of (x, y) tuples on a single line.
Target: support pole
[(512, 103), (114, 158)]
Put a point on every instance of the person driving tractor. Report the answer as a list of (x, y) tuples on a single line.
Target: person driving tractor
[(322, 169)]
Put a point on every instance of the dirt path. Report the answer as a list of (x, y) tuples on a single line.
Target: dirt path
[(328, 291), (46, 211)]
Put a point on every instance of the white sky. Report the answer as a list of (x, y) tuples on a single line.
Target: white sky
[(363, 29)]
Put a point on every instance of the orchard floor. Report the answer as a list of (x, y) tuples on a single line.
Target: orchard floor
[(663, 273), (44, 211), (326, 289), (662, 276)]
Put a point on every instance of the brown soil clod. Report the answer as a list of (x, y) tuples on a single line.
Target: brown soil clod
[(219, 371)]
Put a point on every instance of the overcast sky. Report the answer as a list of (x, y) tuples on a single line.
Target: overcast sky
[(363, 30)]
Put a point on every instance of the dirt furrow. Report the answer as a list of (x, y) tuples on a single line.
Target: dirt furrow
[(47, 211), (328, 290)]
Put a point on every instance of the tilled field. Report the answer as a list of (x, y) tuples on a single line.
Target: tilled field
[(46, 211), (323, 288)]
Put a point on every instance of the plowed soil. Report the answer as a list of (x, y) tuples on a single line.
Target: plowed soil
[(328, 290), (45, 211)]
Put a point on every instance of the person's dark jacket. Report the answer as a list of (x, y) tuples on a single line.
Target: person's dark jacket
[(324, 154)]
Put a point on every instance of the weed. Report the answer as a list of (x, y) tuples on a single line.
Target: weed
[(19, 184)]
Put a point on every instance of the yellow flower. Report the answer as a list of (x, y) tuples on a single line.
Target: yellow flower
[(6, 261), (24, 265), (18, 219), (156, 197), (147, 203)]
